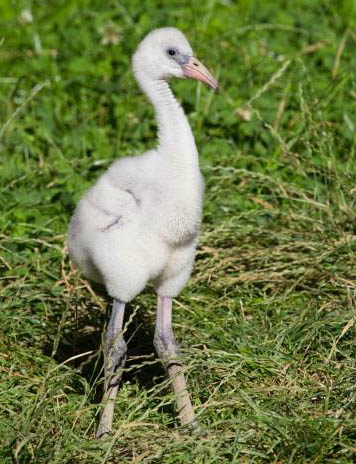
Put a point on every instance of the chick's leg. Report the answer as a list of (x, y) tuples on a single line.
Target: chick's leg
[(168, 350), (115, 357)]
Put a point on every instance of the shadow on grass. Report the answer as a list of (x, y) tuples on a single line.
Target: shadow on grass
[(86, 333)]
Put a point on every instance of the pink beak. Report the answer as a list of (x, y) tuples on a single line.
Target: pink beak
[(196, 70)]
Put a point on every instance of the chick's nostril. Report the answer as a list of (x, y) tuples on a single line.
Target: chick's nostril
[(195, 64)]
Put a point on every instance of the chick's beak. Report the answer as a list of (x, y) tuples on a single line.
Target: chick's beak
[(196, 70)]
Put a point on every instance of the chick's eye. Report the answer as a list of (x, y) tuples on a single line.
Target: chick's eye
[(171, 52)]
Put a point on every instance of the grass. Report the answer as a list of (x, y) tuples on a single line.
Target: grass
[(267, 321)]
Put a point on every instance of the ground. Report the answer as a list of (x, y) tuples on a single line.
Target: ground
[(267, 321)]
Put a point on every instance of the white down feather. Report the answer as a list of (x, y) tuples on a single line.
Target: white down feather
[(141, 220)]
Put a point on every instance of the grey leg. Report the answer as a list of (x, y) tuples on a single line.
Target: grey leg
[(115, 357), (168, 350)]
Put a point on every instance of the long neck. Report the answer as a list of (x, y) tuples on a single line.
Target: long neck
[(175, 137)]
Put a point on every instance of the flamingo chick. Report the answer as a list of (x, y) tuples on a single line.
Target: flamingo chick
[(140, 221)]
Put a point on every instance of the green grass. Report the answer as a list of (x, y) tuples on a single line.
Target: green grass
[(267, 321)]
